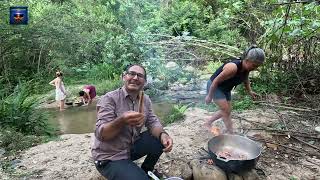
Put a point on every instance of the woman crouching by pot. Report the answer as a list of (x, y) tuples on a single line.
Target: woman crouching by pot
[(228, 76)]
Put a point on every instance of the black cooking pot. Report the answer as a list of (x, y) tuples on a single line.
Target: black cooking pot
[(238, 145)]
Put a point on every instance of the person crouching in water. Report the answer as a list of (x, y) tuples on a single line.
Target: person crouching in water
[(87, 94), (225, 78)]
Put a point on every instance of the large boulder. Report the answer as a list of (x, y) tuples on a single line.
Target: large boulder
[(250, 175), (186, 172), (201, 170), (2, 152), (172, 65)]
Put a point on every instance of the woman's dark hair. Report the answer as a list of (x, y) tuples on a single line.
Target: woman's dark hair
[(58, 73), (81, 93), (130, 65)]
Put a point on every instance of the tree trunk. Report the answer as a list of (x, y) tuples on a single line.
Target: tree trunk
[(39, 59)]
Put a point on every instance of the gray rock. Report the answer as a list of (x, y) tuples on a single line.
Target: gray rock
[(15, 163), (203, 85), (186, 172), (234, 177), (251, 175), (189, 69), (2, 151), (172, 65), (317, 129), (205, 77), (201, 170), (203, 92)]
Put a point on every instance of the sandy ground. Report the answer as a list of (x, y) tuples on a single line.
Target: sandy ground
[(70, 158)]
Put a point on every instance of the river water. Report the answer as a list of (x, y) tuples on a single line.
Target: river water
[(79, 120)]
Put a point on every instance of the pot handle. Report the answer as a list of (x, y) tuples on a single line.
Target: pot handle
[(221, 158), (153, 176)]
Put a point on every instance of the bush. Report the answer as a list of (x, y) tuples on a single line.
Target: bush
[(242, 104), (212, 66), (14, 141), (103, 71), (104, 86), (19, 112)]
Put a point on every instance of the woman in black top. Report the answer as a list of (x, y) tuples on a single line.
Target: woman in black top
[(226, 78)]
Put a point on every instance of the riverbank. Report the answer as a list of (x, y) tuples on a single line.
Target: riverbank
[(70, 158)]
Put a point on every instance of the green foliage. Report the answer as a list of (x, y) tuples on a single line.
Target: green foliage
[(64, 36), (104, 86), (175, 114), (19, 112), (13, 141), (303, 22), (93, 41), (209, 107), (293, 178), (103, 71), (212, 66), (242, 103)]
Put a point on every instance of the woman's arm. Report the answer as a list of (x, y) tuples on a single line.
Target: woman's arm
[(87, 91), (248, 87), (247, 84), (52, 83), (229, 70)]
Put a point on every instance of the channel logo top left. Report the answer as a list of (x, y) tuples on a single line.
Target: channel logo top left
[(18, 15)]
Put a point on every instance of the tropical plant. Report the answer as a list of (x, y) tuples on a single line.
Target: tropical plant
[(19, 112), (175, 114)]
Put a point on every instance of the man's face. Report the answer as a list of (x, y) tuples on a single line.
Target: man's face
[(134, 79)]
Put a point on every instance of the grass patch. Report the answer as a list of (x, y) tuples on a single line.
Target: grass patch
[(242, 103), (209, 107), (238, 104)]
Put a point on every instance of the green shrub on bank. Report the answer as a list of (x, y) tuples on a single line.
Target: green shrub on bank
[(22, 125), (209, 107), (176, 114), (212, 66), (18, 111), (242, 103), (13, 141)]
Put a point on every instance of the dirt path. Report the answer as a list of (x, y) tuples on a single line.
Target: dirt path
[(70, 158)]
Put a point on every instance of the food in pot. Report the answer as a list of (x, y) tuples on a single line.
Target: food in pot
[(232, 155)]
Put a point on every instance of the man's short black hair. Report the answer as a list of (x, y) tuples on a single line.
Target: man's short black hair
[(130, 65), (81, 93)]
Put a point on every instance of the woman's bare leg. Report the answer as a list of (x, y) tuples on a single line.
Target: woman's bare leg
[(225, 110), (217, 115), (62, 105)]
